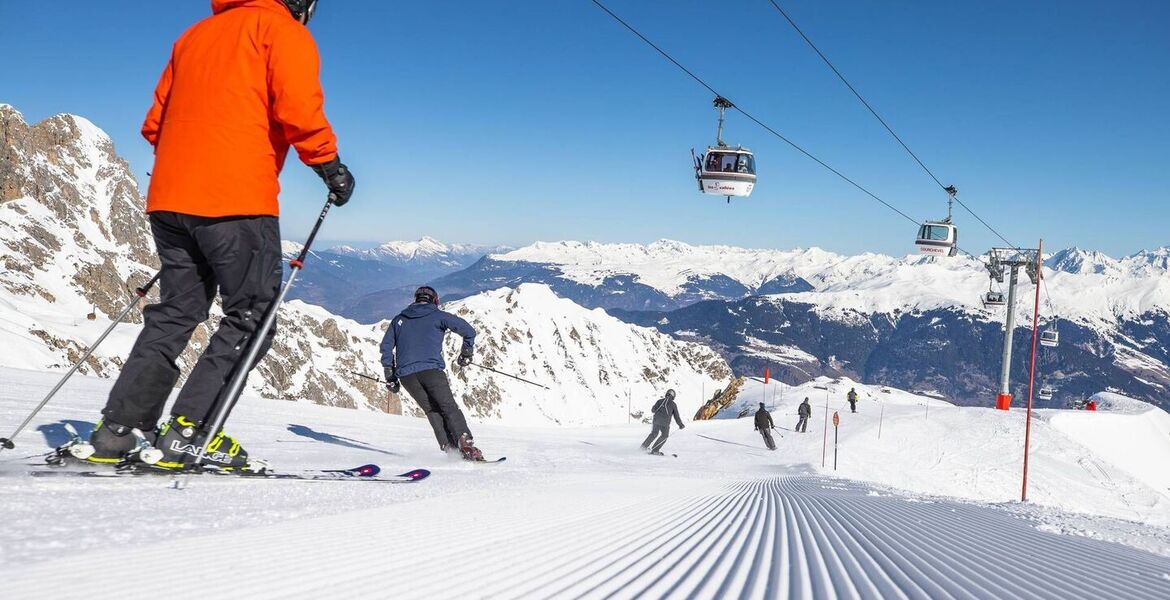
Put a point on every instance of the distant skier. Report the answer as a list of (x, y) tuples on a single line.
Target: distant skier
[(852, 397), (240, 87), (1091, 405), (764, 425), (663, 410), (804, 411), (412, 358)]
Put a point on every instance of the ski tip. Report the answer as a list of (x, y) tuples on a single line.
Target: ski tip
[(370, 470), (416, 475)]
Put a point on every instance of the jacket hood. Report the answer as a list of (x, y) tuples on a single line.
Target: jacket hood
[(419, 309), (218, 6)]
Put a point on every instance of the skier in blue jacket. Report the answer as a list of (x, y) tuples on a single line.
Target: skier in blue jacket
[(412, 357)]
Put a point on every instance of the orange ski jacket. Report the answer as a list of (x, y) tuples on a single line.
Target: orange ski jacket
[(240, 87)]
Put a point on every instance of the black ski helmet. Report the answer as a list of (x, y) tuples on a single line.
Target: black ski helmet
[(670, 394), (426, 294), (302, 10)]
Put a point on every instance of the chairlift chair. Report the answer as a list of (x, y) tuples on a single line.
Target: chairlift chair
[(723, 170), (993, 298)]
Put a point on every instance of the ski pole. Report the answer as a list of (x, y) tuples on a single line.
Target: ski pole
[(139, 293), (367, 377), (509, 375), (236, 386)]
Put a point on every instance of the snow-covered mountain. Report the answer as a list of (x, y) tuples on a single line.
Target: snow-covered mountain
[(660, 276), (426, 252), (905, 321), (74, 242), (370, 285), (594, 364)]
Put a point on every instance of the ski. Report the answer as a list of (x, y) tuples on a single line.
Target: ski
[(368, 473), (489, 462)]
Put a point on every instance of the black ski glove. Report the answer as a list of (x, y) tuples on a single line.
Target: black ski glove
[(392, 380), (464, 360), (338, 179)]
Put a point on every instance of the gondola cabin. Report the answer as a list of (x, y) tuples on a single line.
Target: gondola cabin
[(1045, 392), (938, 238), (726, 171), (1050, 337)]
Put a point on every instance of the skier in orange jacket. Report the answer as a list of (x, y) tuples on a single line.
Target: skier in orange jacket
[(241, 86)]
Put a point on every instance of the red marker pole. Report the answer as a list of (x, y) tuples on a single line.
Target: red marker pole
[(1032, 368)]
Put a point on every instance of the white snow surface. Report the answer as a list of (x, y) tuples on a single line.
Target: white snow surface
[(929, 510), (1086, 286)]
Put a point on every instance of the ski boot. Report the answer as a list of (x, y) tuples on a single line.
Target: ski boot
[(468, 450), (179, 442), (110, 443)]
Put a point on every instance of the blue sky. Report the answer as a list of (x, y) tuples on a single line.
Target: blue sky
[(509, 122)]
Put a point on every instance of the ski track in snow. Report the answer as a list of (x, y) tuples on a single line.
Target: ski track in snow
[(581, 513), (797, 536)]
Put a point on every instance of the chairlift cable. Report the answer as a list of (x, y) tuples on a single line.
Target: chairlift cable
[(754, 119), (883, 121)]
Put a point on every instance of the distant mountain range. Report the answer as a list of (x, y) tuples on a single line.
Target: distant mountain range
[(374, 284), (909, 322)]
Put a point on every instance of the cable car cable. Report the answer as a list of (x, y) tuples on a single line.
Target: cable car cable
[(753, 119), (881, 120)]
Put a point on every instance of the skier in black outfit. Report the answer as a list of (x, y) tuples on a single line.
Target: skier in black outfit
[(764, 425), (852, 397), (663, 410), (412, 358), (805, 411)]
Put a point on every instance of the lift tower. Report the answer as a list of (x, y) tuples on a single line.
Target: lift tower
[(1009, 261)]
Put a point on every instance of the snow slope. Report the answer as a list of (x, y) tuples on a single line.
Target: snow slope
[(580, 512), (599, 370)]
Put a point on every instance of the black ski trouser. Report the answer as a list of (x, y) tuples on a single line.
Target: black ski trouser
[(802, 424), (238, 257), (768, 441), (432, 391), (852, 406), (660, 431)]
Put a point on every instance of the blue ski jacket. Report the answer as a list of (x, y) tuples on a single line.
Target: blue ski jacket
[(414, 341)]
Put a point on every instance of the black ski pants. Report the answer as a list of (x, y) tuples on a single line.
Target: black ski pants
[(768, 441), (661, 431), (238, 257), (802, 423), (852, 406), (432, 391)]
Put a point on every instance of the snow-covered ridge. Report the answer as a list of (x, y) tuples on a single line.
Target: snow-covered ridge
[(666, 265), (1083, 285), (426, 248), (594, 364)]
